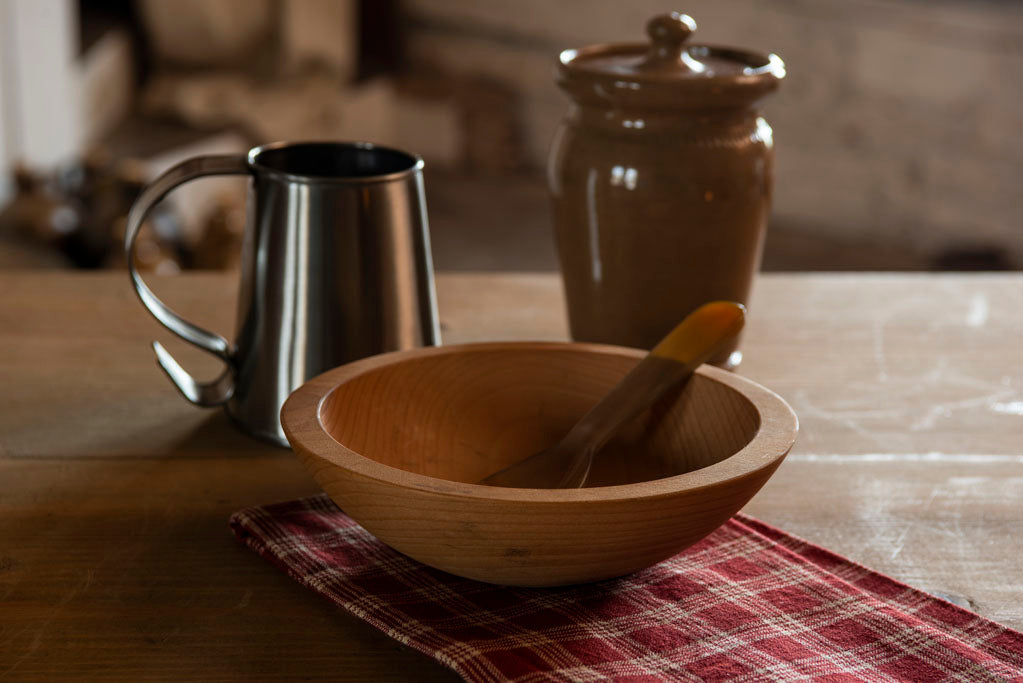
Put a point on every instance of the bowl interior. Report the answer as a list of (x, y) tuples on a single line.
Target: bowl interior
[(462, 416)]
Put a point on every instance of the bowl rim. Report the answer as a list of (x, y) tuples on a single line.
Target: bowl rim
[(303, 426)]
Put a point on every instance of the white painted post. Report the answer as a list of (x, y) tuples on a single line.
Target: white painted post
[(39, 113)]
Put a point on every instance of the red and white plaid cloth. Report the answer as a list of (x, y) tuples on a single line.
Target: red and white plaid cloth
[(749, 602)]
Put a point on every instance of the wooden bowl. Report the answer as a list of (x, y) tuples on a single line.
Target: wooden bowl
[(398, 441)]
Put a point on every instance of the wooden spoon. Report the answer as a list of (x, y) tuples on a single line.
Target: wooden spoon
[(670, 363)]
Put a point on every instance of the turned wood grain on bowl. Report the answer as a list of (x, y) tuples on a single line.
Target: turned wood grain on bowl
[(397, 440)]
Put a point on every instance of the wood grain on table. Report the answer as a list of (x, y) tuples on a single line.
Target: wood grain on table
[(115, 557)]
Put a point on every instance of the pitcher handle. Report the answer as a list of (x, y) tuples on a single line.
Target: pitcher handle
[(202, 394)]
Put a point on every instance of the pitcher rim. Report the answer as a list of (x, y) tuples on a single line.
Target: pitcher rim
[(416, 163)]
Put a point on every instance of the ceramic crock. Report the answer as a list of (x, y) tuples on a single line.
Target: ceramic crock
[(661, 177)]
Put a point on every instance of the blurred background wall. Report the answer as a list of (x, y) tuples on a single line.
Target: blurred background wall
[(897, 129)]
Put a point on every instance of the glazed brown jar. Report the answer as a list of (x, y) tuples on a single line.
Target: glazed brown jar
[(661, 178)]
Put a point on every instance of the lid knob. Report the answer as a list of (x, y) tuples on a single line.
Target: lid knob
[(668, 34)]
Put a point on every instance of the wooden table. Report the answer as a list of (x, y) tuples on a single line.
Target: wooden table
[(115, 557)]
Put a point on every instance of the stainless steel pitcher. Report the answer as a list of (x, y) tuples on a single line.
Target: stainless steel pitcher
[(335, 266)]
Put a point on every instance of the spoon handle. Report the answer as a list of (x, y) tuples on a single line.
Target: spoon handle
[(671, 362)]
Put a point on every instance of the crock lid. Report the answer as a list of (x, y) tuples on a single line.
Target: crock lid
[(668, 72)]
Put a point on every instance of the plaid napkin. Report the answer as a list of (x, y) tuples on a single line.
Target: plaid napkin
[(749, 602)]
